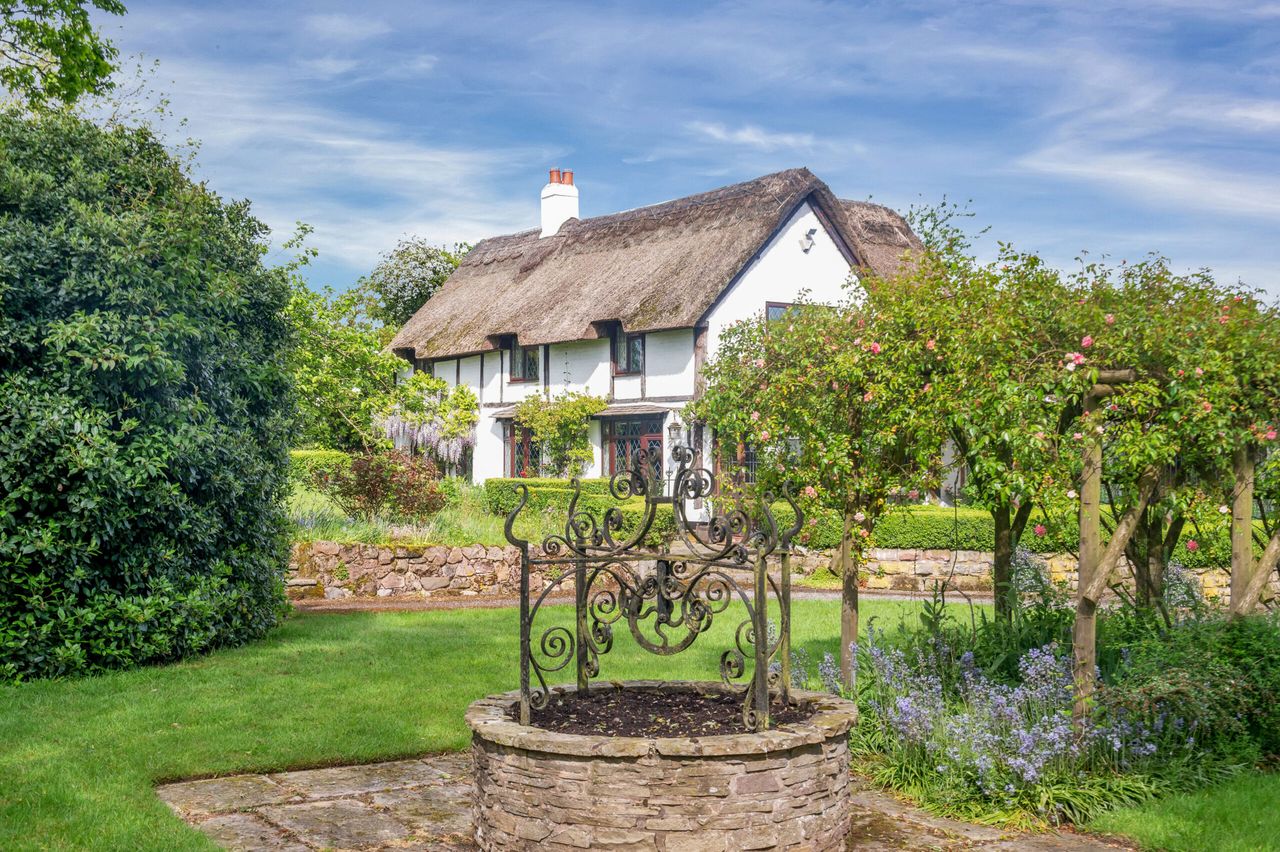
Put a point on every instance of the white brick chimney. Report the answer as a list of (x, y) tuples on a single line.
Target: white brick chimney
[(559, 201)]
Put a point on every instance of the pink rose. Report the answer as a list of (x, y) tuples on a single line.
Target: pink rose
[(1110, 319), (1271, 434), (928, 386), (1079, 436), (1207, 406), (1199, 371), (1193, 545), (755, 415), (913, 494), (1086, 342), (875, 348), (1039, 436), (1039, 530), (1224, 319), (759, 363), (1077, 357), (866, 397), (863, 533), (810, 492), (764, 436), (930, 344)]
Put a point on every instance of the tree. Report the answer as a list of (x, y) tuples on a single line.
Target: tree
[(996, 336), (49, 50), (1164, 426), (406, 277), (561, 429), (144, 405), (826, 406)]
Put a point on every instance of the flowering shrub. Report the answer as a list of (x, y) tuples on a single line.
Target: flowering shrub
[(398, 484), (984, 749)]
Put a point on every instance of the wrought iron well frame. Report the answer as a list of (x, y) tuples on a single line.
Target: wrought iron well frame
[(684, 592)]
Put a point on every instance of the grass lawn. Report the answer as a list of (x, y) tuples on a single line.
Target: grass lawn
[(463, 521), (79, 757), (1239, 815)]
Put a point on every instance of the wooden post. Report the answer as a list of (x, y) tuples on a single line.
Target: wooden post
[(1242, 561), (1090, 505)]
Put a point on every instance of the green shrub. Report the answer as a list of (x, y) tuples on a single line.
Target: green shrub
[(501, 496), (391, 484), (305, 464), (550, 499), (144, 406)]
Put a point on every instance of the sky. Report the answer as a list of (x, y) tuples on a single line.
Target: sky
[(1105, 127)]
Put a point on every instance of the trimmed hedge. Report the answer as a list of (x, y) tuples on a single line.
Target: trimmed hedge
[(550, 498), (305, 464)]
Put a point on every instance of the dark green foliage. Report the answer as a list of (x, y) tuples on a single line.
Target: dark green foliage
[(1222, 674), (144, 406), (502, 497)]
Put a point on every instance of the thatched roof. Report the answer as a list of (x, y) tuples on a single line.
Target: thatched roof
[(651, 269)]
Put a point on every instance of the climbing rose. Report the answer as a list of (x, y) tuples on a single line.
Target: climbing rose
[(930, 344), (1110, 319), (928, 386), (866, 397), (875, 348), (1207, 406), (1078, 436), (1193, 545), (859, 517), (1224, 509), (764, 436), (1271, 434), (1199, 371), (1086, 342), (755, 415), (1071, 495), (760, 363), (913, 494), (810, 492), (863, 533), (1039, 530)]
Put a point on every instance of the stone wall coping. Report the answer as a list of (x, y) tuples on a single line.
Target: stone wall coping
[(491, 719)]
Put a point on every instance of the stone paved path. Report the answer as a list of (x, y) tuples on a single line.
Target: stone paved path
[(425, 805)]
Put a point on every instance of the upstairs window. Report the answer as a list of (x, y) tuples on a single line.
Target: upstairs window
[(524, 363), (774, 311), (628, 354)]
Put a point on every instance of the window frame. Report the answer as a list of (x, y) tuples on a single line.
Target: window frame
[(524, 352), (786, 308), (624, 339)]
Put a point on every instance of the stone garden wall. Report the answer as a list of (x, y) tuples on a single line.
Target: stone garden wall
[(331, 570)]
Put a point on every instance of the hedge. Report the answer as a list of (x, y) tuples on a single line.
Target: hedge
[(550, 498), (304, 464), (145, 405)]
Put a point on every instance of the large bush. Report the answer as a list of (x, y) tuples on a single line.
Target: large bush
[(144, 406)]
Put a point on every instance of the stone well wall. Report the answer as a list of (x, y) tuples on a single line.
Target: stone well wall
[(786, 788)]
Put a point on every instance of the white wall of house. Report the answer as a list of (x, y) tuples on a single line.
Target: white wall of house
[(668, 363), (781, 273), (581, 365)]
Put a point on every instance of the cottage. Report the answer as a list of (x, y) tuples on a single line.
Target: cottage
[(629, 306)]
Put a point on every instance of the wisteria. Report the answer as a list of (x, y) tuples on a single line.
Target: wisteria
[(429, 436)]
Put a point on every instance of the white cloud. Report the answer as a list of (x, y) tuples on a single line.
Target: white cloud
[(751, 136), (346, 28)]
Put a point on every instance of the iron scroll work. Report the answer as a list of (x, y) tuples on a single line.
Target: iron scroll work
[(667, 597)]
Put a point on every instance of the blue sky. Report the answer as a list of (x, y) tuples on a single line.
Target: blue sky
[(1113, 127)]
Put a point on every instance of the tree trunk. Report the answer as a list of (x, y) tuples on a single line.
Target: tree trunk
[(1084, 633), (848, 600), (1258, 578), (1002, 565), (1155, 558), (1090, 510), (1242, 563)]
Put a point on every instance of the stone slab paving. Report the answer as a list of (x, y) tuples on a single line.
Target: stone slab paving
[(424, 805)]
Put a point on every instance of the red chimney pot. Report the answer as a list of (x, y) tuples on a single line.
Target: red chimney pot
[(567, 177), (555, 176)]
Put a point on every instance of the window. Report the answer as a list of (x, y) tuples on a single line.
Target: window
[(524, 363), (774, 311), (522, 457), (624, 438), (628, 354)]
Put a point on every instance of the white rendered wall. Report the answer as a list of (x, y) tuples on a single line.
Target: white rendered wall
[(581, 365), (668, 363), (781, 273), (447, 370), (489, 454)]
